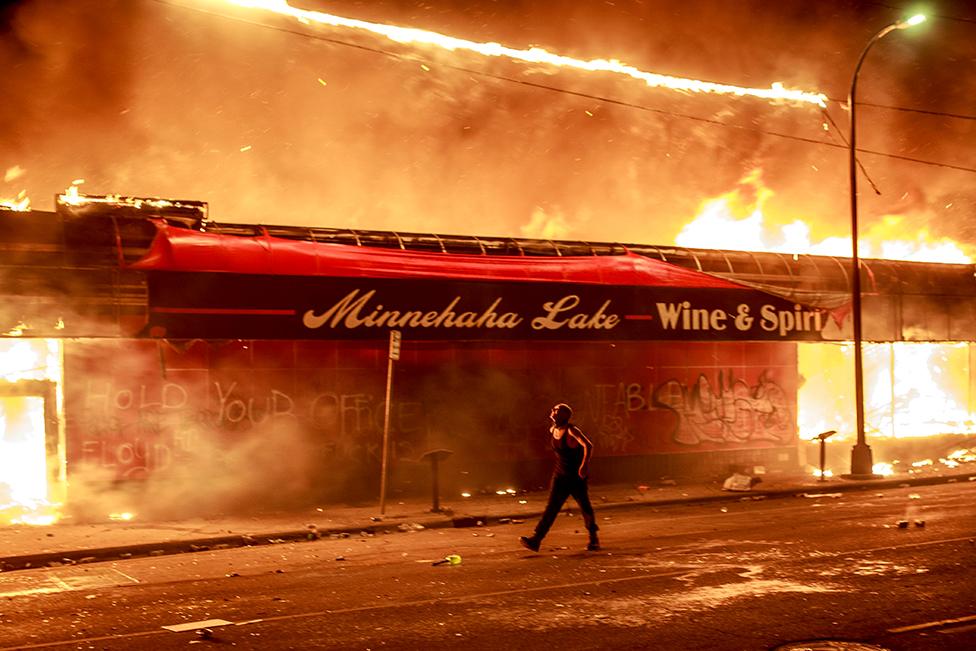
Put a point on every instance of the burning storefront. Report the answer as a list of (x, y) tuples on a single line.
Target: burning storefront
[(194, 365)]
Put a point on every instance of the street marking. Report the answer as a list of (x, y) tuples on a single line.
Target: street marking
[(194, 626), (342, 611), (894, 547), (941, 622), (101, 638), (958, 629), (49, 582), (473, 597)]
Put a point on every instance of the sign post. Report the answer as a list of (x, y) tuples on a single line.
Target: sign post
[(394, 354)]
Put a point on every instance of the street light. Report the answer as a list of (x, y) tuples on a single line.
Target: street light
[(861, 461)]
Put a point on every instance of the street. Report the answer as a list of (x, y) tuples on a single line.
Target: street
[(753, 574)]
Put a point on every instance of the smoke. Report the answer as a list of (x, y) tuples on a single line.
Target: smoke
[(273, 467), (166, 434), (339, 129)]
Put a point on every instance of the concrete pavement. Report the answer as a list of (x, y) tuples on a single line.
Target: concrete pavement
[(67, 542)]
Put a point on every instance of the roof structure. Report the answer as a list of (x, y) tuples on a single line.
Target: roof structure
[(91, 258)]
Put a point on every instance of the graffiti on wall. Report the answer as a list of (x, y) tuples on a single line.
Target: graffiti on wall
[(607, 409), (133, 430), (725, 410)]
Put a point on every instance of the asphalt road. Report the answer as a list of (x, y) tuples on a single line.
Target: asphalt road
[(740, 576)]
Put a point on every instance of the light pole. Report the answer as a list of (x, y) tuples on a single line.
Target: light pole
[(861, 461)]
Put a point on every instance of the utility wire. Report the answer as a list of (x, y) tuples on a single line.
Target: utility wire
[(837, 132), (945, 114), (556, 89), (955, 116)]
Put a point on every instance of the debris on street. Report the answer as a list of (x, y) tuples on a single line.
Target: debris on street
[(740, 483)]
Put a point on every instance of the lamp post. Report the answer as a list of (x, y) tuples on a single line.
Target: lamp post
[(861, 460)]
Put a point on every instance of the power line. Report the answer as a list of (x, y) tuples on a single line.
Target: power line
[(556, 89), (957, 116), (945, 114), (786, 136), (837, 133)]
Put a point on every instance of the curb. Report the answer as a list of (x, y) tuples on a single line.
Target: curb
[(166, 548)]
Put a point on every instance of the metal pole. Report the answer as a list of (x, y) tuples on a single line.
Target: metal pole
[(386, 434), (435, 485), (823, 458), (861, 457), (891, 379)]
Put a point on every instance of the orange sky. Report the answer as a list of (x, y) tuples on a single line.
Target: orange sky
[(151, 98)]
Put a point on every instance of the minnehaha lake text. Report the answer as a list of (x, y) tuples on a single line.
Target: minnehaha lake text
[(359, 309)]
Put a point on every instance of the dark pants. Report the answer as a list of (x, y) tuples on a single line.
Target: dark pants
[(561, 487)]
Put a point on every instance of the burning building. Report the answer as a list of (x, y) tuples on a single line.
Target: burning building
[(155, 359)]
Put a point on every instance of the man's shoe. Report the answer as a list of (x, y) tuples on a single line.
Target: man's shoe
[(593, 546), (530, 542)]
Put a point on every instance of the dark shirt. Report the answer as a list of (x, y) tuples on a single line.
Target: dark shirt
[(568, 458)]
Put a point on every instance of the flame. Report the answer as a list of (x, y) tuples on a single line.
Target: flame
[(20, 204), (25, 495), (929, 395), (407, 35), (736, 220), (37, 517), (883, 468), (72, 197)]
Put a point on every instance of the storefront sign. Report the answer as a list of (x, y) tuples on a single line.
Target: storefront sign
[(220, 305)]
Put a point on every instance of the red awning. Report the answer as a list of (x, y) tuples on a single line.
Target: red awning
[(181, 249)]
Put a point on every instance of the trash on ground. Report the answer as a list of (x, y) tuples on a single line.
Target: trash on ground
[(450, 559), (739, 482)]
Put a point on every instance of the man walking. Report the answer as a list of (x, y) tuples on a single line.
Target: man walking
[(573, 451)]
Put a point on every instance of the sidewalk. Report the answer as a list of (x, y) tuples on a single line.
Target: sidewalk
[(66, 543)]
